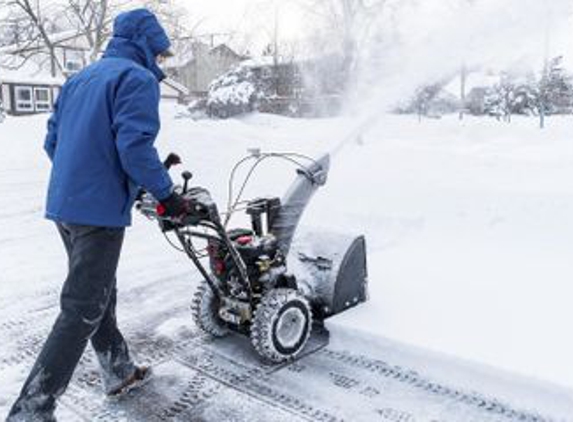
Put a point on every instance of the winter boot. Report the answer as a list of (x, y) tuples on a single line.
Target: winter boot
[(139, 378)]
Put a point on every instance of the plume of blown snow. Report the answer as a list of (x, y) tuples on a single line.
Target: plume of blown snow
[(422, 42)]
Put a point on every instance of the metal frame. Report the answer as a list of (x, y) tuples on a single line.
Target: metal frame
[(184, 239)]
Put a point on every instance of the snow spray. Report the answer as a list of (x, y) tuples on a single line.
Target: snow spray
[(430, 41)]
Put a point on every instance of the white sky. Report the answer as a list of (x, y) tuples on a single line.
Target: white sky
[(254, 17)]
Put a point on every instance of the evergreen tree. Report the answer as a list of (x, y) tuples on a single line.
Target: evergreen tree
[(557, 86), (550, 94)]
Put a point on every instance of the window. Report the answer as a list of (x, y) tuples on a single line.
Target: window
[(73, 65), (74, 60), (43, 100), (267, 72), (24, 100)]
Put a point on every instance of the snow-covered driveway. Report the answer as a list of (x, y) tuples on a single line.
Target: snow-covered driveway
[(469, 230)]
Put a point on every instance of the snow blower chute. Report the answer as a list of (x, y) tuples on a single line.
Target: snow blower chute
[(263, 281)]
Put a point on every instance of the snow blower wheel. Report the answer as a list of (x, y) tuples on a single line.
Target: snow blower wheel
[(281, 325), (205, 311)]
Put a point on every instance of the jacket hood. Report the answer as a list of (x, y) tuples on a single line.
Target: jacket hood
[(138, 35)]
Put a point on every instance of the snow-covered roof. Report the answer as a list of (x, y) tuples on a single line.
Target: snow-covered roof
[(260, 61), (225, 49), (187, 50), (28, 72), (177, 86), (477, 79)]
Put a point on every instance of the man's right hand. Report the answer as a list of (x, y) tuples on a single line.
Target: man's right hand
[(174, 206)]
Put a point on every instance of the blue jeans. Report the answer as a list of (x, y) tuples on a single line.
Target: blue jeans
[(88, 301)]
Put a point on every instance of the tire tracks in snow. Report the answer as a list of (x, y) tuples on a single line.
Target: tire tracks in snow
[(479, 401), (213, 373), (24, 335)]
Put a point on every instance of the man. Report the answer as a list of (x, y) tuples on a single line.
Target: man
[(100, 140)]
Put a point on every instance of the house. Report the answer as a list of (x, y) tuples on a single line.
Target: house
[(29, 86), (476, 84), (196, 64), (28, 90)]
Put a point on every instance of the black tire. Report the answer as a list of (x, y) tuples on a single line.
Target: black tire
[(281, 325), (205, 310)]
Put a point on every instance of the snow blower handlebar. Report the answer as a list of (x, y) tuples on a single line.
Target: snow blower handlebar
[(202, 212), (172, 160)]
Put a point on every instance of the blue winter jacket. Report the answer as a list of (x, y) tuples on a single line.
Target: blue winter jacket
[(101, 133)]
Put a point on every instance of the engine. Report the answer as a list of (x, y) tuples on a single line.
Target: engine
[(261, 255)]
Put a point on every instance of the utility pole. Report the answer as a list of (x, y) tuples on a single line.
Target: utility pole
[(463, 80), (276, 46), (276, 35), (543, 88)]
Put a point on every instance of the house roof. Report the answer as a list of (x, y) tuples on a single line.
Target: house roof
[(184, 52), (187, 50), (172, 83), (224, 49), (262, 61), (12, 70), (474, 79)]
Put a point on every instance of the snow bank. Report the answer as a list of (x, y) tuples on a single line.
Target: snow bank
[(469, 232)]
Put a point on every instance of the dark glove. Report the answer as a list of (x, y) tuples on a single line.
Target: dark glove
[(174, 206)]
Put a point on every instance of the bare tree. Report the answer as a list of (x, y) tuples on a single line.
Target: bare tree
[(33, 28), (36, 20), (347, 25), (173, 16), (92, 19)]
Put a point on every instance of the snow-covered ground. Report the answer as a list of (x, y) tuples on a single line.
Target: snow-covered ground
[(468, 226), (470, 235)]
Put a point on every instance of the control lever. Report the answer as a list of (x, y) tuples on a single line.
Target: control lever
[(171, 160), (187, 175)]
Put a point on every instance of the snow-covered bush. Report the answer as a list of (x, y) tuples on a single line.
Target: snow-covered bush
[(501, 100), (543, 93), (196, 110), (233, 93), (260, 85), (429, 101)]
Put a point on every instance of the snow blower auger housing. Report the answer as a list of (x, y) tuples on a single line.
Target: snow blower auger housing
[(261, 281)]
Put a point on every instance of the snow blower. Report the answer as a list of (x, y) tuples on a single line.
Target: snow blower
[(262, 281)]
